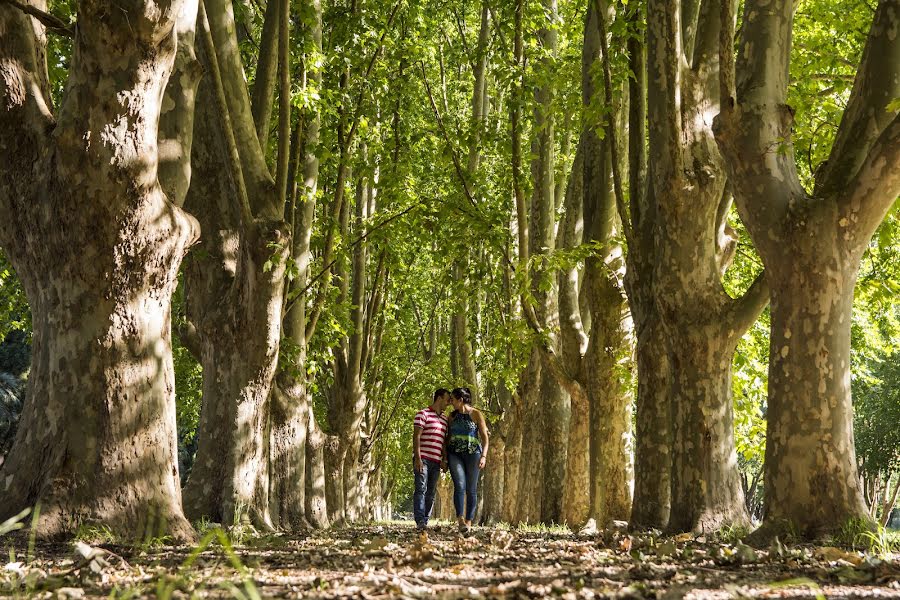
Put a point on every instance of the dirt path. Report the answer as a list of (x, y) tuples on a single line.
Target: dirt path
[(391, 561)]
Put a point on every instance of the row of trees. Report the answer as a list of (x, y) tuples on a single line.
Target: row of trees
[(344, 199)]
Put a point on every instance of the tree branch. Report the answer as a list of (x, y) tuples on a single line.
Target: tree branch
[(877, 84), (232, 155), (284, 100), (765, 52), (346, 144), (25, 117), (744, 311), (257, 177), (47, 19), (327, 268), (873, 190), (263, 91), (612, 137)]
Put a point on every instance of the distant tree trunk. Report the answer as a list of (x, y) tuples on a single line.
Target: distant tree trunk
[(291, 410), (512, 459), (315, 496), (812, 245), (653, 440), (97, 246), (234, 288), (701, 322), (531, 453), (606, 357), (494, 483)]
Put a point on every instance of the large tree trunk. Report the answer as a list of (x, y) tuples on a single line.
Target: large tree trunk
[(701, 322), (610, 413), (812, 245), (705, 495), (810, 361), (97, 246), (494, 483), (234, 290)]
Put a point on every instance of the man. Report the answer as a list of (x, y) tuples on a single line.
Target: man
[(429, 432)]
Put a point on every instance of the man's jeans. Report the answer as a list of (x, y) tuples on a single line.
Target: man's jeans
[(465, 471), (426, 486)]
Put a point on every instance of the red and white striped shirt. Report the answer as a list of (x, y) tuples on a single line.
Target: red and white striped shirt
[(434, 430)]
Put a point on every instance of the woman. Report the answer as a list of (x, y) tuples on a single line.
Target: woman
[(467, 446)]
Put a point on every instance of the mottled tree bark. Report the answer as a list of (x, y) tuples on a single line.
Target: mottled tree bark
[(512, 430), (812, 245), (291, 406), (97, 246), (234, 288), (701, 322), (652, 448), (607, 360)]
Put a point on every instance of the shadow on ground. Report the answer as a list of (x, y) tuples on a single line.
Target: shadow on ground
[(392, 561)]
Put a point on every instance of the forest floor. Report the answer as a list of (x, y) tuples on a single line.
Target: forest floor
[(392, 561)]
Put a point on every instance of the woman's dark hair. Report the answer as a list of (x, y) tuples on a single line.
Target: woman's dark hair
[(463, 393)]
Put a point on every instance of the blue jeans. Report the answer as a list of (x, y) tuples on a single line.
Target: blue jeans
[(426, 485), (464, 470)]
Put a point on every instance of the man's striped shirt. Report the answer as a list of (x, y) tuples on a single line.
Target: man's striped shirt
[(434, 430)]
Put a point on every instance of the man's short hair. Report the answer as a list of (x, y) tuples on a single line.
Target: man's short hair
[(440, 392)]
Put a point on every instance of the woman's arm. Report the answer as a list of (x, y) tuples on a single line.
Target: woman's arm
[(484, 435)]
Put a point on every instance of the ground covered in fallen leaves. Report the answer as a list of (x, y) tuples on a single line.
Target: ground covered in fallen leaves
[(392, 561)]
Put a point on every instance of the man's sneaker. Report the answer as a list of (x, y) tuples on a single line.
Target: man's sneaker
[(420, 528), (463, 528)]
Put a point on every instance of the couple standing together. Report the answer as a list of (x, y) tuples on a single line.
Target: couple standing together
[(460, 442)]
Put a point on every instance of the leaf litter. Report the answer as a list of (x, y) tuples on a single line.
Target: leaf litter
[(394, 561)]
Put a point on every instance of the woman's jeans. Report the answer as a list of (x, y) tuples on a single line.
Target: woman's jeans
[(426, 484), (464, 470)]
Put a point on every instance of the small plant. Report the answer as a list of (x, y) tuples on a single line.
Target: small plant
[(879, 543), (554, 528), (14, 523), (853, 532), (95, 534), (732, 534)]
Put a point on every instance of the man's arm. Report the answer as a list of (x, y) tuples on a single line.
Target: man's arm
[(417, 458)]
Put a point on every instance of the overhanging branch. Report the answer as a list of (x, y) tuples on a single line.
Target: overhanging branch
[(49, 20)]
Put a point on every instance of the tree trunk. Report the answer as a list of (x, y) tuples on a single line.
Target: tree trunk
[(97, 440), (809, 392), (608, 382), (234, 293), (608, 409), (555, 419), (531, 462), (494, 482), (701, 322), (705, 496), (316, 502), (512, 461), (334, 480), (813, 246), (652, 455), (291, 410)]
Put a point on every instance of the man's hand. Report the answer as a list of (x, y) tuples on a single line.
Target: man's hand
[(482, 462), (443, 464), (417, 464)]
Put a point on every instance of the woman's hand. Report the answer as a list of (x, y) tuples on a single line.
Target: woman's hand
[(482, 462)]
